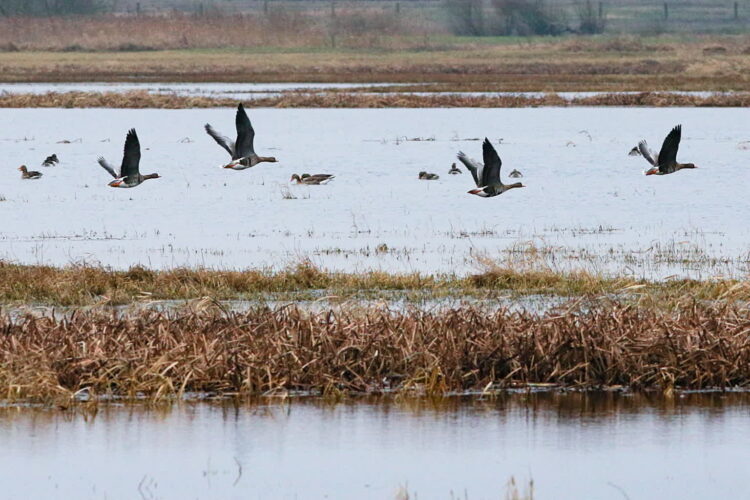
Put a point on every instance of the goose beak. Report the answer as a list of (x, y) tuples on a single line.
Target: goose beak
[(651, 171), (115, 183), (476, 191)]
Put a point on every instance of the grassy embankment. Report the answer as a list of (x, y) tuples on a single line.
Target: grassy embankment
[(84, 286)]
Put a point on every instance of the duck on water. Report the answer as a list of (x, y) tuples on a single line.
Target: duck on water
[(311, 179), (129, 175), (487, 175), (242, 150), (29, 174)]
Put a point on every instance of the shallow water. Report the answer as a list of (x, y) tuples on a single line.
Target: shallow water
[(262, 90), (573, 446), (586, 204)]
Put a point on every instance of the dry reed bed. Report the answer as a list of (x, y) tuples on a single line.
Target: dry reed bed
[(143, 99), (265, 351), (84, 285)]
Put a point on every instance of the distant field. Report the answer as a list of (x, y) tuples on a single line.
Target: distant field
[(444, 63)]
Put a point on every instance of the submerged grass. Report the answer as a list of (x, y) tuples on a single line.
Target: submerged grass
[(87, 285), (333, 99), (264, 351)]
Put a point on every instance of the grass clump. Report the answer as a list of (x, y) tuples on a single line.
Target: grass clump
[(87, 285)]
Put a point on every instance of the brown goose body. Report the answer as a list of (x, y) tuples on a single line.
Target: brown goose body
[(315, 179), (242, 150), (427, 176), (129, 175), (29, 174), (487, 175), (666, 161)]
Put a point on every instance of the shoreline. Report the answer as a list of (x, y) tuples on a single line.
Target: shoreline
[(142, 99)]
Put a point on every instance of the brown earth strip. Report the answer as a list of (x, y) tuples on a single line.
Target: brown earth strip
[(142, 99)]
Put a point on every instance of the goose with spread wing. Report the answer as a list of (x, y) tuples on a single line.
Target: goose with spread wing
[(314, 179), (666, 161), (129, 175), (487, 175), (242, 150)]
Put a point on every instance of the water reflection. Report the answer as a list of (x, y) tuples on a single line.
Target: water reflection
[(573, 445)]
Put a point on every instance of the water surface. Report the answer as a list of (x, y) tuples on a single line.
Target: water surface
[(574, 446)]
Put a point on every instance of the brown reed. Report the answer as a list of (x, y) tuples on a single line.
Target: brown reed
[(143, 99), (158, 355)]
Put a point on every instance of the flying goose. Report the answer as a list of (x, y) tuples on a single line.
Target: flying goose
[(666, 161), (242, 152), (129, 175), (487, 176), (454, 170), (50, 161), (311, 179), (29, 174), (426, 176), (515, 174)]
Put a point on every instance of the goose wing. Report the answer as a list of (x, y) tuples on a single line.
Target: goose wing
[(245, 134), (492, 164), (132, 155), (221, 140), (647, 153), (108, 167), (668, 153), (472, 166)]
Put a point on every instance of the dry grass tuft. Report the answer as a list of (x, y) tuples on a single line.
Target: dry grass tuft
[(264, 351)]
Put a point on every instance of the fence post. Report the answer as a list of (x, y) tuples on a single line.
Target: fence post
[(398, 8), (138, 9), (666, 10), (333, 8), (736, 10), (265, 6), (200, 9), (601, 10)]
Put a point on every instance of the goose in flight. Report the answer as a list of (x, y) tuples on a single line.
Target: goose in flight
[(242, 151), (29, 174), (311, 179), (129, 175), (487, 176), (515, 174), (666, 161)]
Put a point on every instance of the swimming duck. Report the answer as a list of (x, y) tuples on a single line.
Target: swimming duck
[(426, 176), (487, 175), (515, 174), (666, 161), (242, 151), (311, 179), (50, 161), (454, 170), (29, 174), (129, 175)]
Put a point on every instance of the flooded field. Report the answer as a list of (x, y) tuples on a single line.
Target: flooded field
[(572, 445), (586, 204)]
